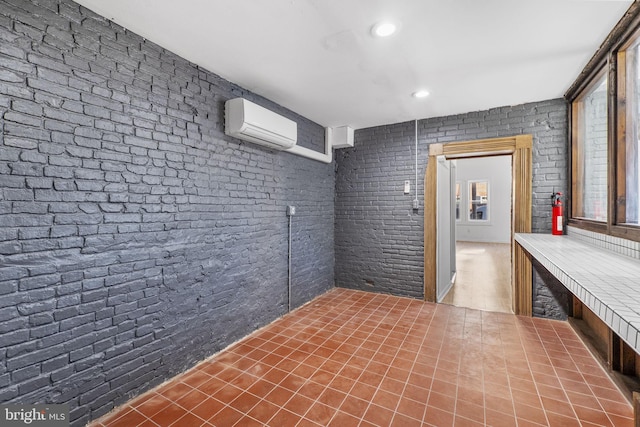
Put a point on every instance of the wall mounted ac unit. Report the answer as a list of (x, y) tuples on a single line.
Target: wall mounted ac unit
[(251, 122)]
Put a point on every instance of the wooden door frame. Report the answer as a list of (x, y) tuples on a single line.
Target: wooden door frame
[(519, 147)]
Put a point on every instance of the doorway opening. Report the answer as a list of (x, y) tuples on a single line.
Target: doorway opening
[(483, 277), (518, 148), (481, 240)]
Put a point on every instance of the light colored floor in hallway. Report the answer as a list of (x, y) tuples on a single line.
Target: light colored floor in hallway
[(483, 279)]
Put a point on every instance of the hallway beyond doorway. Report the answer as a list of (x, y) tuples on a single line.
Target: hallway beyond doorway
[(483, 279)]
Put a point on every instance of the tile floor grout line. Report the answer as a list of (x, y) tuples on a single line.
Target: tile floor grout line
[(501, 345), (433, 315), (344, 364), (282, 407), (389, 367), (394, 333), (455, 411), (535, 383), (372, 332), (512, 399), (228, 405), (440, 349), (377, 388), (211, 358), (555, 371), (599, 366), (406, 382), (573, 409), (360, 346)]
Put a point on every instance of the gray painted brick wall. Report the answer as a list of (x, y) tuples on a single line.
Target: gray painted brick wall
[(380, 239), (135, 237), (378, 236)]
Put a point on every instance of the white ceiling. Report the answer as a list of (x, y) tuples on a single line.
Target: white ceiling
[(317, 57)]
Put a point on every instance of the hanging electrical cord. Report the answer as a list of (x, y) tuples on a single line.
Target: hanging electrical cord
[(291, 211), (289, 269), (416, 203)]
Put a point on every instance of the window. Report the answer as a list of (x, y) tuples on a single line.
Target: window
[(605, 135), (590, 150), (628, 187), (478, 201)]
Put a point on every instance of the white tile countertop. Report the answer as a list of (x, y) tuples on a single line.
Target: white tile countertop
[(608, 283)]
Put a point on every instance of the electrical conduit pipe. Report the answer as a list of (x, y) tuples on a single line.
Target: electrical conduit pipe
[(326, 157)]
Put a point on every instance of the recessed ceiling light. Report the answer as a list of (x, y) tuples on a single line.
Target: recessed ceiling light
[(383, 29), (420, 94)]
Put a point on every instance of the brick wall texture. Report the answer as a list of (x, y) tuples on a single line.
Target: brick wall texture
[(379, 238), (135, 237)]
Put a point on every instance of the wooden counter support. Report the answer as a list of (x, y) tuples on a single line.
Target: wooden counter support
[(577, 308), (636, 408)]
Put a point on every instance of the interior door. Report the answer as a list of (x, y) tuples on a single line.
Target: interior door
[(446, 228)]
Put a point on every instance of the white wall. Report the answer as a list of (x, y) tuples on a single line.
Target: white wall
[(497, 171)]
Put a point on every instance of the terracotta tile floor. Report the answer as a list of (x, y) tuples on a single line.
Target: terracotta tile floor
[(353, 358)]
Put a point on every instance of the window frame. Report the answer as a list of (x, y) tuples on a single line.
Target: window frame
[(621, 123), (577, 139), (606, 59), (469, 203)]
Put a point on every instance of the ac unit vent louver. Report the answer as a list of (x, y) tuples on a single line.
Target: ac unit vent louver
[(251, 122)]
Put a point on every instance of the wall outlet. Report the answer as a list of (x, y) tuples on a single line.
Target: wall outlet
[(407, 187), (291, 210)]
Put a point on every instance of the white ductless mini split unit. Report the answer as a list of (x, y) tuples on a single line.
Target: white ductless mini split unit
[(251, 122)]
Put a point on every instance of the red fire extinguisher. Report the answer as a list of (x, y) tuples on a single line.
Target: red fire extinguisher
[(556, 214)]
